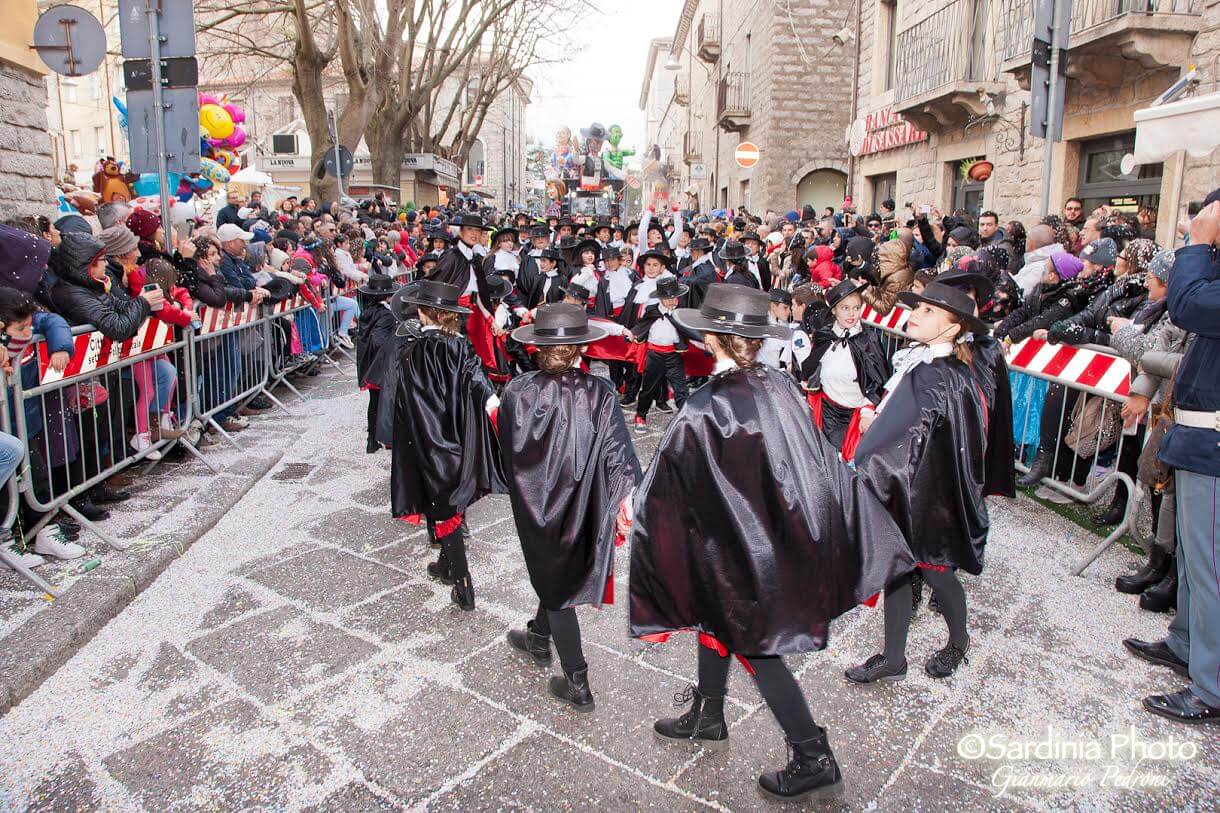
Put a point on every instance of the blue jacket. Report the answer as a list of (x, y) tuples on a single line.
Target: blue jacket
[(53, 328), (236, 272), (1194, 306)]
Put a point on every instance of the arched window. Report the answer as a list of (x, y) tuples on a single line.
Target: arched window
[(475, 163), (821, 188)]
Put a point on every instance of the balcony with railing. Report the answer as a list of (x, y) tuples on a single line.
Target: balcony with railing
[(692, 147), (682, 90), (708, 38), (1106, 35), (733, 109), (945, 65)]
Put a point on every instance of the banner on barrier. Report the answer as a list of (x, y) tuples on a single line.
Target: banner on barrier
[(894, 320), (294, 302), (231, 315), (1074, 365), (93, 351)]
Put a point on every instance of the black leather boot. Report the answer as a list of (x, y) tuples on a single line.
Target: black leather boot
[(463, 593), (811, 770), (1040, 468), (1115, 510), (1152, 572), (573, 689), (531, 643), (88, 509), (439, 569), (703, 722), (1162, 596)]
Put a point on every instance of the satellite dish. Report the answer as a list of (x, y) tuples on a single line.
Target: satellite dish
[(70, 40), (855, 137), (1127, 165)]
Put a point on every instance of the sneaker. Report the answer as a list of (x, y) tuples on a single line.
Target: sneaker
[(50, 542), (143, 442), (344, 341), (1051, 495), (235, 423), (641, 425), (665, 406), (876, 670), (27, 560), (194, 432), (168, 427), (945, 662)]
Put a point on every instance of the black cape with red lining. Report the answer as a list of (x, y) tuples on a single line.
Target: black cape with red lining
[(871, 362), (991, 372), (923, 458), (569, 462), (445, 454), (375, 345), (749, 527)]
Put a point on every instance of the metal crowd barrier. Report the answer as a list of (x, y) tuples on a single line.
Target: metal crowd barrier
[(12, 505), (230, 362), (280, 319), (1077, 372)]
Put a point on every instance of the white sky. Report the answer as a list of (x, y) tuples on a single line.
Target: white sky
[(601, 79)]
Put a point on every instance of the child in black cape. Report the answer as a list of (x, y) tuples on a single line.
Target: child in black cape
[(570, 466), (375, 345), (924, 458), (665, 341), (445, 451), (846, 370), (750, 530)]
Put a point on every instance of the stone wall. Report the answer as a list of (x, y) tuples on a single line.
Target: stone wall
[(26, 169)]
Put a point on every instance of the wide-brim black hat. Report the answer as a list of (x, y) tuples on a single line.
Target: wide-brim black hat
[(954, 300), (440, 234), (669, 287), (612, 253), (469, 219), (780, 296), (734, 250), (576, 291), (498, 233), (596, 131), (377, 285), (736, 309), (842, 290), (540, 231), (701, 244), (751, 235), (984, 288), (498, 287), (551, 253), (591, 245), (665, 259), (560, 323), (431, 293)]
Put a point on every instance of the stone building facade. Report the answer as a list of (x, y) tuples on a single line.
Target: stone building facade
[(26, 169), (947, 82), (772, 74)]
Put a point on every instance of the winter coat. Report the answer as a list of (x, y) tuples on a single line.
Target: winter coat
[(823, 271), (178, 309), (62, 442), (236, 271), (82, 300), (1047, 305), (1091, 325), (1161, 344), (895, 274), (207, 289)]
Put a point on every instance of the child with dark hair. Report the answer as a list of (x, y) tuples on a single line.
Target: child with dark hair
[(376, 342)]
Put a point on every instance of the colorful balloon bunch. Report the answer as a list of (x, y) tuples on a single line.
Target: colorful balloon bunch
[(220, 135)]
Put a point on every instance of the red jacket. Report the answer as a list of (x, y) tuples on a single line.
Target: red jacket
[(822, 269), (178, 309)]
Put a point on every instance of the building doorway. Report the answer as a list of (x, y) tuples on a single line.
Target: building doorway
[(967, 193), (883, 188), (821, 188)]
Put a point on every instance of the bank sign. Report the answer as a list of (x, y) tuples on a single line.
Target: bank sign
[(886, 130)]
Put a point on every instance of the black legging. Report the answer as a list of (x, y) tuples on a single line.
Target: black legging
[(564, 628), (776, 683), (950, 597), (374, 400), (453, 549)]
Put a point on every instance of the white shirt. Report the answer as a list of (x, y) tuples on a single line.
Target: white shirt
[(587, 276), (468, 252), (838, 372), (507, 261), (619, 284), (646, 288), (908, 358), (662, 332)]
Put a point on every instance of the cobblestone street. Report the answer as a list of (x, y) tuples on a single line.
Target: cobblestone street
[(297, 657)]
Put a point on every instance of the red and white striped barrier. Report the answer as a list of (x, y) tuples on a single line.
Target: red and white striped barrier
[(1099, 372), (231, 315), (93, 351), (293, 303), (894, 320)]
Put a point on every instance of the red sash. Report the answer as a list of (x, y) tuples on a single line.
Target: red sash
[(850, 440)]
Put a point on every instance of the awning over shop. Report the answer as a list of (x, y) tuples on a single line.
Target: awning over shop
[(1191, 124)]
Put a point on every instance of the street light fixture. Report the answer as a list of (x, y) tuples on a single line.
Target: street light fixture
[(672, 64)]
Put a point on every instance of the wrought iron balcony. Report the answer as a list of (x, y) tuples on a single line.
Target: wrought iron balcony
[(692, 147), (708, 38), (1106, 35), (733, 111), (682, 90), (946, 64)]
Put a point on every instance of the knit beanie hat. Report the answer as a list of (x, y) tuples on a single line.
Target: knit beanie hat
[(1066, 265), (118, 240), (1138, 253), (1160, 264), (143, 224)]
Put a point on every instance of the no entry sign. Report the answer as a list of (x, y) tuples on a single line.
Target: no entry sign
[(746, 154)]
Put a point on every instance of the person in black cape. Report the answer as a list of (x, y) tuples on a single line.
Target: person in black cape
[(750, 530), (445, 454), (570, 466), (923, 456), (375, 345), (846, 369)]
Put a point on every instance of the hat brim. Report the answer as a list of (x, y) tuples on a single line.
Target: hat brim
[(375, 291), (665, 259), (527, 334), (683, 290), (692, 319), (855, 290), (972, 322), (984, 288), (409, 295)]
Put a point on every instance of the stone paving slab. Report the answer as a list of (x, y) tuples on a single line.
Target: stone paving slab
[(298, 657)]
